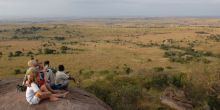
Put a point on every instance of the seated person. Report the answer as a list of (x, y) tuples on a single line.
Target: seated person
[(62, 79), (31, 65), (50, 75), (34, 95)]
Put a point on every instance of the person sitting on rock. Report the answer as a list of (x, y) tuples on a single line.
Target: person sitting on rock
[(34, 95), (31, 64), (62, 79), (50, 75)]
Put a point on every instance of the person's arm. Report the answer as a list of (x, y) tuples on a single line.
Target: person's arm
[(64, 76), (71, 78), (36, 90), (35, 87)]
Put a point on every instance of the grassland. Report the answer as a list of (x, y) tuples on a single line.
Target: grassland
[(126, 53)]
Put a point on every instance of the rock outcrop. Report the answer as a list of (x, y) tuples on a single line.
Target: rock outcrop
[(11, 99)]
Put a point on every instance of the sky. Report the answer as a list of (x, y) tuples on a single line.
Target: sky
[(108, 8)]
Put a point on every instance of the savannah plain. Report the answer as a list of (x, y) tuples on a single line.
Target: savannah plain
[(127, 63)]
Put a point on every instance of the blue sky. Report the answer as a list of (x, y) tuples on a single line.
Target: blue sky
[(108, 8)]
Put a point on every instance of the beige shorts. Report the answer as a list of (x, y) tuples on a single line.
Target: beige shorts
[(34, 100)]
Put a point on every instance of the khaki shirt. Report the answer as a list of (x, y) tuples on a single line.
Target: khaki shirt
[(60, 77)]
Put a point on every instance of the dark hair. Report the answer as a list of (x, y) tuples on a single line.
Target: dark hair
[(61, 68), (46, 62), (32, 57)]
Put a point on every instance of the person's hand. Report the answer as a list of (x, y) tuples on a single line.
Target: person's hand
[(28, 84), (71, 78)]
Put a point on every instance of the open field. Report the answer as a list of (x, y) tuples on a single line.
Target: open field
[(102, 52)]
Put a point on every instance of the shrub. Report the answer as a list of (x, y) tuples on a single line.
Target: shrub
[(158, 69), (149, 60), (10, 54), (121, 93), (179, 80), (196, 93), (201, 32), (64, 48), (214, 37), (206, 61), (169, 67), (127, 69), (40, 51), (59, 38), (160, 80), (208, 54), (101, 89), (17, 71), (164, 47), (29, 30), (213, 102), (49, 51), (30, 53), (18, 53), (1, 54), (126, 93)]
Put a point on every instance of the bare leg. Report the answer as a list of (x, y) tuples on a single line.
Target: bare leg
[(48, 95), (60, 95), (53, 98), (43, 88), (45, 95)]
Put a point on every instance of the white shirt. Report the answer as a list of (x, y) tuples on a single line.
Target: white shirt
[(30, 92), (50, 76), (60, 77)]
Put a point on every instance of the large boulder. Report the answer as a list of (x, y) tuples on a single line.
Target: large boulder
[(11, 99)]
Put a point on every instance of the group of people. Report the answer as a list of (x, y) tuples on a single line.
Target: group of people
[(44, 83)]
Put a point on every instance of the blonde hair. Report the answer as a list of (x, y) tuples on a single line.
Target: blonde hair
[(32, 63)]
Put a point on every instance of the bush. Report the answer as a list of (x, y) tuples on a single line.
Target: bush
[(10, 54), (30, 53), (213, 102), (1, 54), (127, 69), (169, 67), (206, 61), (179, 80), (40, 51), (17, 71), (49, 51), (64, 48), (59, 38), (149, 60), (101, 89), (158, 69), (164, 47), (18, 53), (159, 80), (122, 93)]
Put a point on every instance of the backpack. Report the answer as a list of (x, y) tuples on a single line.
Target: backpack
[(21, 88)]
